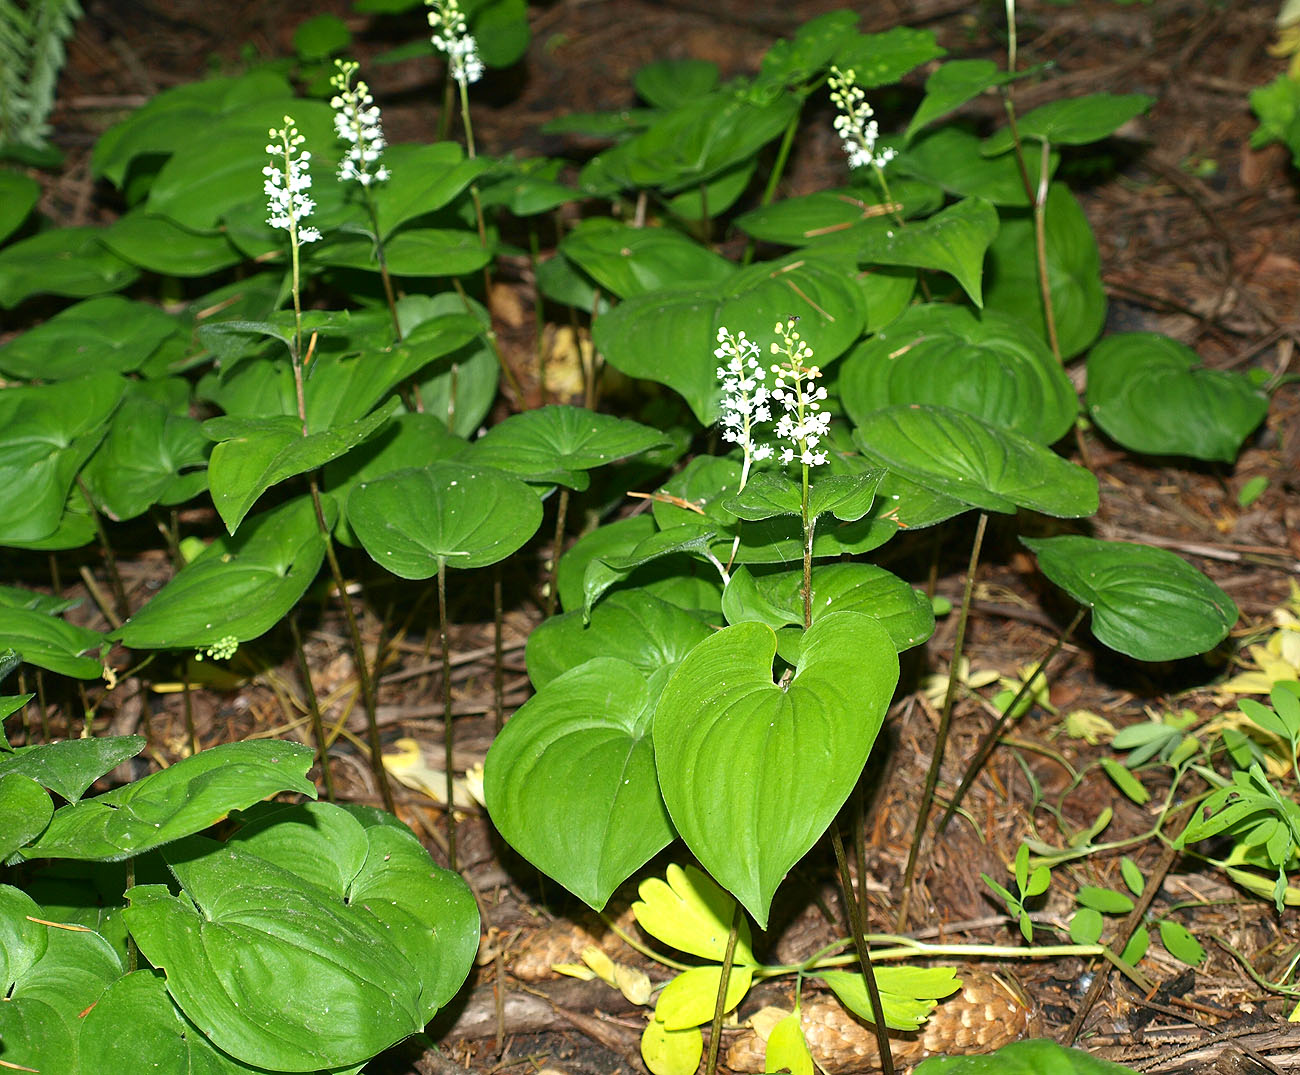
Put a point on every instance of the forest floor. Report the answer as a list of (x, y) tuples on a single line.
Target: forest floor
[(1199, 240)]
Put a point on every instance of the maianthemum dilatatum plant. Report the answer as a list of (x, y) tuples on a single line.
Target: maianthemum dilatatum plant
[(884, 357)]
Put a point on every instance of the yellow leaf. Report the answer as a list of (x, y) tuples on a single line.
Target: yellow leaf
[(689, 911), (1088, 726), (407, 765), (632, 983), (763, 1020), (574, 970), (689, 999), (787, 1050), (671, 1052), (600, 963)]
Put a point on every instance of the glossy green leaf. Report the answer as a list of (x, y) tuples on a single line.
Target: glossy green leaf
[(669, 83), (907, 994), (75, 528), (671, 1052), (158, 244), (951, 86), (329, 986), (604, 572), (1180, 943), (46, 433), (708, 200), (263, 453), (631, 261), (733, 748), (812, 48), (366, 858), (1146, 602), (954, 241), (69, 767), (1152, 394), (24, 941), (670, 336), (690, 999), (51, 643), (18, 196), (240, 587), (451, 514), (632, 625), (414, 252), (105, 334), (961, 456), (1073, 273), (26, 808), (63, 261), (950, 158), (688, 911), (423, 179), (989, 365), (884, 58), (176, 802), (586, 737), (1073, 121), (838, 216), (1031, 1057)]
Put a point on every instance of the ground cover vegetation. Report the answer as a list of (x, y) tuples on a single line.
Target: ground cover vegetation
[(282, 355)]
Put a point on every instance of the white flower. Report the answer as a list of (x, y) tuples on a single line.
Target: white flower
[(857, 130), (744, 396), (356, 119), (451, 36), (804, 423), (287, 181)]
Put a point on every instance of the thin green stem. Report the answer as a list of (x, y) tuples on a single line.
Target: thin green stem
[(448, 735), (774, 178), (120, 606), (557, 547), (857, 927), (313, 710), (990, 741), (382, 260), (945, 718), (720, 1004)]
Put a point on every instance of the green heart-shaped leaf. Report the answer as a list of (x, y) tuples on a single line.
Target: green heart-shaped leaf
[(632, 261), (1146, 602), (734, 749), (104, 334), (586, 737), (1072, 121), (71, 766), (51, 643)]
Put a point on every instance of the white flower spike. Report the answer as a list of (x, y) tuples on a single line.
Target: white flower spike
[(356, 119), (804, 423), (287, 183), (451, 36), (857, 130), (744, 396)]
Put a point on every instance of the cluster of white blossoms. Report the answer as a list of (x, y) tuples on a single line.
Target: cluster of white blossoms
[(356, 119), (744, 396), (287, 183), (857, 130), (804, 423), (451, 36)]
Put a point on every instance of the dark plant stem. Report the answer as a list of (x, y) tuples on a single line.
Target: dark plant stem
[(720, 1005), (561, 516), (448, 735), (498, 654), (858, 928), (42, 705), (189, 707), (945, 719), (110, 558), (990, 740), (132, 950), (56, 581), (382, 261), (313, 709)]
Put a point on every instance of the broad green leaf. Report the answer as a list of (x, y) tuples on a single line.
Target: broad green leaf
[(787, 1048), (670, 83), (1152, 394), (68, 768), (812, 48), (602, 573), (847, 497), (670, 336), (24, 940), (51, 643), (631, 261), (1032, 1057), (329, 985), (447, 514), (1072, 121), (105, 334), (158, 244), (907, 994), (961, 456), (414, 252), (559, 444), (423, 179), (1180, 943), (1137, 946), (671, 1052), (176, 802), (988, 365), (46, 433), (704, 202), (26, 808), (1086, 926), (733, 749), (690, 998), (1073, 273), (240, 587), (1146, 602), (586, 737), (368, 859), (951, 86), (150, 456), (632, 625), (17, 597), (1105, 900), (883, 58), (954, 241), (688, 911), (75, 528), (839, 217), (258, 454), (63, 261), (950, 158), (18, 196)]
